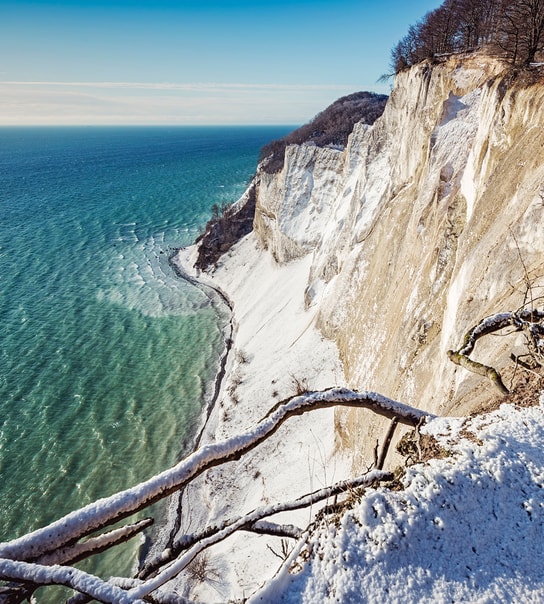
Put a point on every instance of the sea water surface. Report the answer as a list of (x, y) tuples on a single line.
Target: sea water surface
[(105, 353)]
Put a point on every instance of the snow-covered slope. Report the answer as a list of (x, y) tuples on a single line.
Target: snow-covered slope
[(364, 267), (466, 527), (277, 351)]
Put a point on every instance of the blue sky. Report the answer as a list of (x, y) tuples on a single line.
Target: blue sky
[(192, 62)]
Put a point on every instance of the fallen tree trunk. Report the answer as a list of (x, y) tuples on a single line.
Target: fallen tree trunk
[(94, 545), (69, 529)]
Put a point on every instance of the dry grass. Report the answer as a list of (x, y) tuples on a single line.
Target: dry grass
[(418, 448), (203, 569)]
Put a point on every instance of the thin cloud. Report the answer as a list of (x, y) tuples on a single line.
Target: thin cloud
[(197, 86), (40, 102)]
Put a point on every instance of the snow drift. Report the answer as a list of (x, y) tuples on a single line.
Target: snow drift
[(468, 527)]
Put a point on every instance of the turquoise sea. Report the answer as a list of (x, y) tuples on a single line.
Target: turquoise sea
[(105, 353)]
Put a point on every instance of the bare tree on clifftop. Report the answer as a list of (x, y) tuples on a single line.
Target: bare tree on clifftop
[(514, 29)]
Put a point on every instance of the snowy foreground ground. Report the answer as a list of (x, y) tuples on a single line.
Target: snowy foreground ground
[(468, 527)]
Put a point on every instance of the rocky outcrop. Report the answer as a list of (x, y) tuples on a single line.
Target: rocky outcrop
[(330, 128), (226, 228), (329, 131), (292, 204)]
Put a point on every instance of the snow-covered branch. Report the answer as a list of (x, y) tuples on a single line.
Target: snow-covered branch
[(95, 545), (524, 320), (253, 521), (277, 530), (99, 590), (232, 526), (108, 510), (486, 326), (186, 541)]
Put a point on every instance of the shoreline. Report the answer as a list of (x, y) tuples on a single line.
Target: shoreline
[(213, 293), (162, 534), (165, 533)]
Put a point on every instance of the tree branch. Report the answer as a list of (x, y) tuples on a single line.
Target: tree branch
[(230, 526), (95, 545), (275, 530), (187, 541), (78, 580), (521, 320), (386, 443), (103, 512), (488, 372)]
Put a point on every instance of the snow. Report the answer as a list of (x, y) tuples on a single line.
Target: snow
[(71, 577), (455, 293), (465, 528), (238, 524), (468, 188), (275, 343)]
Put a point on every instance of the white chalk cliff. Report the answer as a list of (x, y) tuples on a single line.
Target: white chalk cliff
[(381, 256), (422, 226)]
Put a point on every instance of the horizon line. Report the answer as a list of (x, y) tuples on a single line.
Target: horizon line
[(150, 125)]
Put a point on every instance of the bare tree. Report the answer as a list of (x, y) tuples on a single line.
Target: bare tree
[(515, 28), (530, 15)]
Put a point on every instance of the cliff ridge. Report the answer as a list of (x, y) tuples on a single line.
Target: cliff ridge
[(365, 266)]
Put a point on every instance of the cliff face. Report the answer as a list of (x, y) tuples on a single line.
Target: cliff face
[(392, 248), (428, 221)]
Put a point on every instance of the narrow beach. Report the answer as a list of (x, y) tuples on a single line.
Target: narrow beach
[(164, 535), (219, 301), (271, 345)]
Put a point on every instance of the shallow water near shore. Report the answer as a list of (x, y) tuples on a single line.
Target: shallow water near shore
[(106, 353)]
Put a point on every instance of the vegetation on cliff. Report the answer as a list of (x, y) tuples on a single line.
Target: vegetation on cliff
[(513, 29), (226, 226), (330, 127)]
